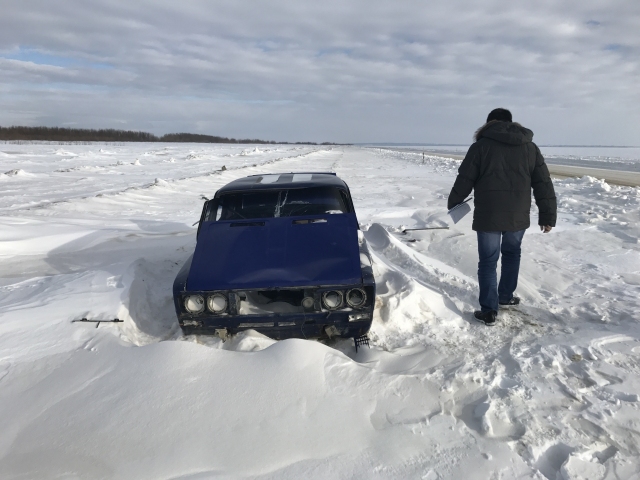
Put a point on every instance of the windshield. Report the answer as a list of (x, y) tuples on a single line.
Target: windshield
[(279, 203)]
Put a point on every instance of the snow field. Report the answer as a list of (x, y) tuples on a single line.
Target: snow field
[(550, 392)]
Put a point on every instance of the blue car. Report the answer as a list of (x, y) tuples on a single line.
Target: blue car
[(281, 254)]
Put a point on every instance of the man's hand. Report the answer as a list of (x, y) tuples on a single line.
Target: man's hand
[(545, 228)]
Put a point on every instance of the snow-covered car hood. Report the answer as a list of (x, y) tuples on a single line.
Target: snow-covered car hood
[(276, 252)]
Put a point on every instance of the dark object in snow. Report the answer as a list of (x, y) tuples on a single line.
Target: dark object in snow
[(488, 318), (361, 340), (281, 254), (425, 228), (98, 322)]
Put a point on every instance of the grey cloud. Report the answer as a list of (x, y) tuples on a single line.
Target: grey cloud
[(343, 71)]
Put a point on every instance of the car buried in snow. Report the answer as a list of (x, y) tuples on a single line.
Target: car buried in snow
[(280, 254)]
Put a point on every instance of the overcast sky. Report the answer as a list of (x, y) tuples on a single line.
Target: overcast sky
[(343, 71)]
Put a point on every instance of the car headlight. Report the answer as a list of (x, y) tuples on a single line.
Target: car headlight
[(194, 303), (308, 302), (356, 297), (332, 299), (217, 303)]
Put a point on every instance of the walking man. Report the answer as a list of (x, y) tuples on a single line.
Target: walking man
[(502, 167)]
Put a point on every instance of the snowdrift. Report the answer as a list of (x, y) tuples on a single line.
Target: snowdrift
[(550, 392)]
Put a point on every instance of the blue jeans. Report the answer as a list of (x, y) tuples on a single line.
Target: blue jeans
[(490, 244)]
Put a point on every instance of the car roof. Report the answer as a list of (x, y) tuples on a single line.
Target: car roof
[(279, 181)]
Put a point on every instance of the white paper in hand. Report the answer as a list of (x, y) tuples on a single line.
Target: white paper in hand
[(459, 211)]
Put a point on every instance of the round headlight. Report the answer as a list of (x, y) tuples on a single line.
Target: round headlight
[(194, 303), (332, 299), (217, 303), (356, 297), (308, 302)]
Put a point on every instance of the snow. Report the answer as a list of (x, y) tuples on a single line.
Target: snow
[(551, 392)]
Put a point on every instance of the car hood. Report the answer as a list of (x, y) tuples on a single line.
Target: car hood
[(276, 252)]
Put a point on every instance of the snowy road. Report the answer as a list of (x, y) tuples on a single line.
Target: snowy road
[(100, 231), (628, 179), (625, 173)]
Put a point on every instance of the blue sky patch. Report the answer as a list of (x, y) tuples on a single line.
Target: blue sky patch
[(39, 58), (614, 47)]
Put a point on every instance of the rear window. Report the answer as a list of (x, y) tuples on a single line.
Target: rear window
[(279, 203)]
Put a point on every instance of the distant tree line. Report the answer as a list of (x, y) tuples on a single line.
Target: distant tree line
[(74, 134), (197, 138), (111, 135)]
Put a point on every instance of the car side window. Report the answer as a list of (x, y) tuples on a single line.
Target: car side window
[(346, 200)]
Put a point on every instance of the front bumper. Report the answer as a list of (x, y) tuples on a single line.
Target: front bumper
[(281, 326)]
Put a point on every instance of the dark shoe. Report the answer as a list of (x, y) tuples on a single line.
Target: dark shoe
[(514, 301), (488, 318)]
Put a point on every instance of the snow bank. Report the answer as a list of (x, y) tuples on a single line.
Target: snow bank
[(251, 151), (16, 173), (65, 153), (551, 392)]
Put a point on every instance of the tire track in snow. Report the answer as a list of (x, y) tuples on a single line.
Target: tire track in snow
[(110, 193), (141, 201)]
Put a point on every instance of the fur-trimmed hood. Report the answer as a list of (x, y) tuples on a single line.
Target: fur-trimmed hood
[(506, 132)]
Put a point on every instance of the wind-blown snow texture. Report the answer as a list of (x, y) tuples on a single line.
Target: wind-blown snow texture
[(101, 231)]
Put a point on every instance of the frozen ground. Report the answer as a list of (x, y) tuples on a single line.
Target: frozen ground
[(101, 231)]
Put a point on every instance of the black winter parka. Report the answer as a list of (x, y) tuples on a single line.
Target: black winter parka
[(502, 167)]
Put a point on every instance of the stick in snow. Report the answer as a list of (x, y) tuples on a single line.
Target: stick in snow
[(425, 228), (98, 322)]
